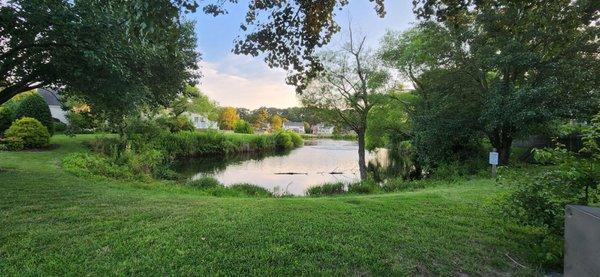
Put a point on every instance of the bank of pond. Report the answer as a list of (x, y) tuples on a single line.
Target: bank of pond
[(230, 164)]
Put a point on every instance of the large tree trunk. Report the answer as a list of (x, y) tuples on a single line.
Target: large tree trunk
[(502, 141), (362, 165)]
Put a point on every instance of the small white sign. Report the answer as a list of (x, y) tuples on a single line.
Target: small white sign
[(494, 158)]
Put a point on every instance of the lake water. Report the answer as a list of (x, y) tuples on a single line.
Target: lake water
[(311, 164)]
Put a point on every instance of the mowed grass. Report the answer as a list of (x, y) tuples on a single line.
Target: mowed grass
[(53, 223)]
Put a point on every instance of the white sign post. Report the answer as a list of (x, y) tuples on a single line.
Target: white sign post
[(494, 162)]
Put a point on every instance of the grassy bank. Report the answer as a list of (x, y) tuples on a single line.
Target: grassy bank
[(56, 223)]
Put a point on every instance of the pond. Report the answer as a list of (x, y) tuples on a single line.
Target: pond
[(317, 162)]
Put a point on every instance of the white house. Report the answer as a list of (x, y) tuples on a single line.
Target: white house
[(53, 100), (201, 122), (297, 127), (322, 129)]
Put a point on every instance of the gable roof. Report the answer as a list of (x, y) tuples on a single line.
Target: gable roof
[(51, 96), (293, 124)]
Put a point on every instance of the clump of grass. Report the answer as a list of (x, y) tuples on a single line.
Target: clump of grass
[(204, 183), (399, 184), (213, 187), (87, 165), (364, 187), (326, 189), (252, 190)]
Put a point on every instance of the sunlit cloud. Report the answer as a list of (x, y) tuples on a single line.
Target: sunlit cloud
[(243, 81)]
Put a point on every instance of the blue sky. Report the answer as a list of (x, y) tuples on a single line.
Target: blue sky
[(243, 81)]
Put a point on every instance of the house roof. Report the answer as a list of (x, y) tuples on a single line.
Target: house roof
[(51, 96), (293, 124)]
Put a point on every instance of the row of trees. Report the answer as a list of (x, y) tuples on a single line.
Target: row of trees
[(260, 119)]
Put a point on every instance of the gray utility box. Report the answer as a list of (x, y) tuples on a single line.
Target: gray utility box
[(582, 241)]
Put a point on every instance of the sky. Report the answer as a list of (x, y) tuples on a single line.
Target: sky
[(245, 81)]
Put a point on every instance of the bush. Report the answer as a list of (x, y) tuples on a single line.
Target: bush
[(30, 131), (243, 127), (35, 106), (283, 141), (6, 119), (12, 144), (296, 139), (252, 190), (59, 127), (364, 187), (80, 122), (539, 200), (176, 124), (85, 165), (326, 189)]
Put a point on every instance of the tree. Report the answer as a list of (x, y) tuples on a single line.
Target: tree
[(243, 127), (348, 87), (261, 118), (106, 55), (193, 100), (228, 117), (35, 106), (515, 59), (277, 122)]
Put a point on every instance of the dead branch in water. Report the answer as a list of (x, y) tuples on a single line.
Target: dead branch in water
[(291, 173)]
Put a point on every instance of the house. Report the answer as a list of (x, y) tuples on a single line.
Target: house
[(54, 103), (297, 127), (201, 122), (322, 129)]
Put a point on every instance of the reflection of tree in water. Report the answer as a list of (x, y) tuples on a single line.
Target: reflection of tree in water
[(216, 163), (396, 161)]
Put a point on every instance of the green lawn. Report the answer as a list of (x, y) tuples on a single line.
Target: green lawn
[(54, 223)]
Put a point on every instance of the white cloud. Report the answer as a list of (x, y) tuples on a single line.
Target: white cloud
[(243, 81)]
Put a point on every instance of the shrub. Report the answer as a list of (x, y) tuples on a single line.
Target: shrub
[(364, 187), (59, 127), (6, 119), (12, 144), (80, 122), (204, 183), (283, 141), (296, 139), (35, 106), (252, 190), (539, 200), (326, 189), (85, 165), (243, 127), (176, 124), (31, 131)]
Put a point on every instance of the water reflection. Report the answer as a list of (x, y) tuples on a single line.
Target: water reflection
[(311, 165)]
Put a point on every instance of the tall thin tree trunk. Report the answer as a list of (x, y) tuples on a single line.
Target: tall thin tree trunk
[(362, 166)]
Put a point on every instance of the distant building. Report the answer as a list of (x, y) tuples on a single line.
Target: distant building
[(54, 103), (297, 127), (322, 129), (201, 122)]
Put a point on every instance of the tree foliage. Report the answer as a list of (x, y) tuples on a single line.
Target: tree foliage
[(515, 64), (227, 118), (277, 122), (108, 55), (35, 106)]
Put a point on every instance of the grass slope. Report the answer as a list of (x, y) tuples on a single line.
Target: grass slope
[(54, 223)]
